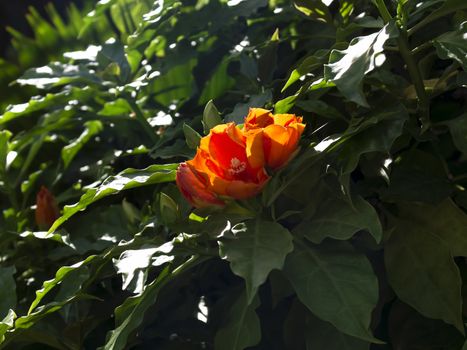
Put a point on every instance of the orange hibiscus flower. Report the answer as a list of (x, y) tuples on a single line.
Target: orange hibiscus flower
[(46, 209), (225, 165), (278, 133), (231, 162)]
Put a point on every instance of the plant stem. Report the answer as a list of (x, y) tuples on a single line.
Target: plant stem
[(143, 121), (412, 67), (415, 76)]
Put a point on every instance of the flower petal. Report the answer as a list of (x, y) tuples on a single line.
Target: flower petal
[(255, 149), (258, 118), (279, 144), (194, 188)]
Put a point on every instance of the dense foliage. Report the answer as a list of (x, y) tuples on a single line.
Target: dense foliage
[(358, 242)]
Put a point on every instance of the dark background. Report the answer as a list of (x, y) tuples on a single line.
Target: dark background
[(13, 14)]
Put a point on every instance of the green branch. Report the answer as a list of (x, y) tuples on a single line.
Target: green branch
[(412, 67)]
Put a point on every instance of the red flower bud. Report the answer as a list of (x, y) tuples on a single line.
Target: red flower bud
[(46, 209)]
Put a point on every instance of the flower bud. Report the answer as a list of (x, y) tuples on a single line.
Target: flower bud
[(46, 209)]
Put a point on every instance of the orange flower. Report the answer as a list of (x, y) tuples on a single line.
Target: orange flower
[(225, 165), (258, 118), (279, 135), (231, 162), (46, 209), (194, 187)]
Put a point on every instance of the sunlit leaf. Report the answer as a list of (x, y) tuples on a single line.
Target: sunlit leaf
[(128, 179), (347, 68)]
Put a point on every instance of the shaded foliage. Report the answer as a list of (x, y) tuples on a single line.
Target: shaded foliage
[(358, 243)]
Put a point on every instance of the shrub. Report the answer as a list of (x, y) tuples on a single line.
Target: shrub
[(354, 239)]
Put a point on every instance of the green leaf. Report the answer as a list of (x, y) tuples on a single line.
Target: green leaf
[(218, 84), (192, 137), (114, 53), (410, 330), (57, 74), (422, 272), (347, 68), (336, 284), (240, 110), (284, 105), (168, 209), (267, 61), (8, 291), (49, 101), (308, 65), (92, 128), (4, 148), (315, 9), (374, 133), (127, 179), (62, 274), (458, 129), (445, 221), (256, 249), (6, 324), (447, 7), (322, 335), (133, 264), (452, 45), (337, 218), (130, 314), (56, 237), (118, 107), (211, 117), (417, 176), (320, 108), (243, 328)]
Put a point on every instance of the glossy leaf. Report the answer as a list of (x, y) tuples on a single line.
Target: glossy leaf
[(128, 179), (314, 9), (347, 68), (6, 324), (133, 264), (60, 276), (4, 149), (92, 128), (337, 218), (130, 314), (243, 327), (192, 137), (336, 284), (118, 107), (423, 274), (211, 117), (256, 249), (451, 45), (375, 133)]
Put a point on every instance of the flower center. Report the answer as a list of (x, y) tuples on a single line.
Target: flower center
[(236, 166)]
